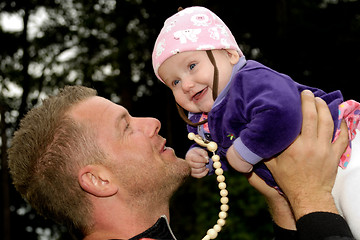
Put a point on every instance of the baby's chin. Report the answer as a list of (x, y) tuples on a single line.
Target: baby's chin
[(206, 107), (198, 107)]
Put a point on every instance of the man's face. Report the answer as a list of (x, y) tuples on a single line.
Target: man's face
[(139, 158)]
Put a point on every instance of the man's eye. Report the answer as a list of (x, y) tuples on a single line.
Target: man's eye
[(176, 82), (192, 66)]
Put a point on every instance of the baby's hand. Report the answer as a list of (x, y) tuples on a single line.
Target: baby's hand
[(197, 159), (237, 162)]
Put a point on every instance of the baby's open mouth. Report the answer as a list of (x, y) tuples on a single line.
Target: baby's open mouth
[(199, 94)]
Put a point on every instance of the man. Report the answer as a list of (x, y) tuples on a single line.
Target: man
[(87, 163)]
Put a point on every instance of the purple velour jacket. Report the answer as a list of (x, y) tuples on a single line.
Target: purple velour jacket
[(259, 112)]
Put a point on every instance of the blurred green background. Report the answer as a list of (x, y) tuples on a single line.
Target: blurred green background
[(107, 45)]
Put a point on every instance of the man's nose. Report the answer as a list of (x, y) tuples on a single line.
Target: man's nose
[(150, 126)]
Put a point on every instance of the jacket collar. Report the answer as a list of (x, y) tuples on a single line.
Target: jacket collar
[(159, 231), (240, 64)]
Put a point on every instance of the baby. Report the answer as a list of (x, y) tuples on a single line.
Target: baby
[(251, 111)]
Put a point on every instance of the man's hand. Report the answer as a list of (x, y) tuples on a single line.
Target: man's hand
[(306, 171), (279, 207)]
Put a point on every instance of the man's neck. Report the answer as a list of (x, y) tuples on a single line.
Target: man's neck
[(123, 221)]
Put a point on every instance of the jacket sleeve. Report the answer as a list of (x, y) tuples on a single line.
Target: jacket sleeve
[(284, 234), (316, 226), (194, 118), (270, 105), (323, 225)]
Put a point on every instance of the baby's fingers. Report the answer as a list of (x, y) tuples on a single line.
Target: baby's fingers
[(201, 159), (199, 173), (197, 165)]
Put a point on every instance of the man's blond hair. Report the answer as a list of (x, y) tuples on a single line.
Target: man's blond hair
[(45, 154)]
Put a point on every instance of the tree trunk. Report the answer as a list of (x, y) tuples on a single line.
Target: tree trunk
[(4, 178), (25, 62)]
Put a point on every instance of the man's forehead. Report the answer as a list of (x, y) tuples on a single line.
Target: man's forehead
[(94, 107)]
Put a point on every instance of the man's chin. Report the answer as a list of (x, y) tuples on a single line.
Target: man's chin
[(183, 168)]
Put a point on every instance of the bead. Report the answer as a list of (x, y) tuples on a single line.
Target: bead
[(222, 215), (207, 237), (217, 228), (224, 193), (219, 171), (224, 200), (217, 165), (220, 178), (222, 185), (212, 146), (191, 136), (215, 158), (224, 207), (221, 222), (212, 233)]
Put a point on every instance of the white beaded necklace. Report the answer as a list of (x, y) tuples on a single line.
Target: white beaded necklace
[(212, 147)]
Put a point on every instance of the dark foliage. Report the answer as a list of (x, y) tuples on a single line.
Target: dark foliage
[(316, 42)]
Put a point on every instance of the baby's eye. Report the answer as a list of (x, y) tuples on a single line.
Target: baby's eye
[(176, 82), (192, 66)]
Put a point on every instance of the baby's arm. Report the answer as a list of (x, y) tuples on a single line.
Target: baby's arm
[(237, 162), (268, 106), (197, 159)]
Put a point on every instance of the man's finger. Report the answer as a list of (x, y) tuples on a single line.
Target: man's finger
[(308, 106), (271, 164), (325, 126), (342, 141)]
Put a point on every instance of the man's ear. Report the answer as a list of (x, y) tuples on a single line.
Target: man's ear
[(97, 180), (233, 56)]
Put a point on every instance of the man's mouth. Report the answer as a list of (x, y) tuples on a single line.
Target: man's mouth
[(164, 147)]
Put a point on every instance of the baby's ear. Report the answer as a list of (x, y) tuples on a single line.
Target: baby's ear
[(97, 180), (233, 56)]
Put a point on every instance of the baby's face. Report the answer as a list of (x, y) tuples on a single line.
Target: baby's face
[(190, 76)]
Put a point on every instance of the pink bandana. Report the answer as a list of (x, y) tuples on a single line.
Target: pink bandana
[(193, 28)]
